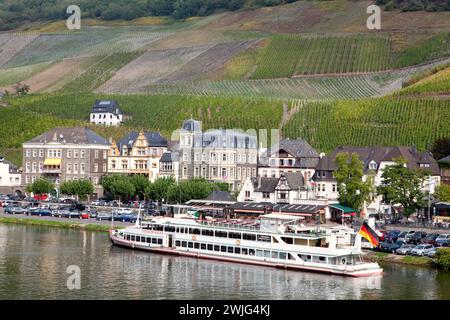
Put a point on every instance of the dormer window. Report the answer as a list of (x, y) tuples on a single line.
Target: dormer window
[(373, 165), (124, 151)]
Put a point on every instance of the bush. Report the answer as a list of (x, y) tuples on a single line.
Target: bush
[(443, 258)]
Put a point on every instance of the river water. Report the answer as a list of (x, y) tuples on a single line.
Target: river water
[(34, 262)]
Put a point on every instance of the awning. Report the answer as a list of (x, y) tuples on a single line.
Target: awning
[(342, 208), (52, 162)]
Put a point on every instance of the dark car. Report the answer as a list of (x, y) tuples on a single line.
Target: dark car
[(391, 247), (431, 238), (72, 214), (125, 217), (392, 235), (39, 212), (417, 237), (443, 243)]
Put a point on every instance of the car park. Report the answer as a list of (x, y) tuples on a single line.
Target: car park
[(421, 249), (431, 238), (442, 239), (417, 237), (405, 249)]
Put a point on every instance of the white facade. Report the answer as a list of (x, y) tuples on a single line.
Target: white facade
[(106, 119), (9, 176)]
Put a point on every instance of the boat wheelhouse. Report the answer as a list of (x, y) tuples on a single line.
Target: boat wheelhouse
[(274, 240)]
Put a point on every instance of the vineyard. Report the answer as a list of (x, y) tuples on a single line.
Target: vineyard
[(384, 121), (288, 55), (13, 75), (438, 83)]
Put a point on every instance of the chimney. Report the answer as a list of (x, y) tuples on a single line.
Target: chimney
[(321, 155), (413, 149)]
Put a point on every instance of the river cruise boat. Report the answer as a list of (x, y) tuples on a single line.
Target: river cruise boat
[(274, 240)]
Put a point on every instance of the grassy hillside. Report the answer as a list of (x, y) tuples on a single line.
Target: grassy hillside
[(438, 83), (385, 121)]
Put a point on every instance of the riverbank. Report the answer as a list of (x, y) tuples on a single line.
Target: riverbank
[(59, 224), (383, 257)]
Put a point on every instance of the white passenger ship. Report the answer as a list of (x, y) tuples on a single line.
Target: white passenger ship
[(273, 240)]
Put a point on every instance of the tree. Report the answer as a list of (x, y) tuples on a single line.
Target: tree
[(441, 148), (140, 184), (80, 188), (401, 185), (41, 186), (158, 189), (353, 191), (122, 189), (443, 192), (196, 188)]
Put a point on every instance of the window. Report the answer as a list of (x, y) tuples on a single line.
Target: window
[(333, 187), (82, 167), (34, 153), (190, 244), (224, 158), (230, 249), (266, 195), (96, 154), (210, 247), (41, 153), (75, 153), (249, 236), (69, 153), (104, 154), (28, 153), (203, 246), (27, 167), (104, 167), (95, 167), (184, 244), (95, 180), (223, 248), (247, 194), (34, 167)]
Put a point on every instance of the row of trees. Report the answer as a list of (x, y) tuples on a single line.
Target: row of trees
[(399, 185), (124, 187), (415, 5), (137, 187)]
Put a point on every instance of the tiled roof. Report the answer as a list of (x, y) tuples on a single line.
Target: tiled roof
[(106, 106), (154, 139), (76, 135)]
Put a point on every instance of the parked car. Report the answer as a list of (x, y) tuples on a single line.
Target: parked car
[(417, 237), (8, 209), (405, 235), (123, 211), (72, 215), (431, 238), (391, 247), (392, 235), (125, 217), (443, 240), (422, 249), (39, 212), (432, 253), (18, 210), (103, 216), (85, 215), (405, 249)]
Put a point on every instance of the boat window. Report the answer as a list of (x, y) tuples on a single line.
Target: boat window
[(149, 240), (249, 236), (234, 235), (177, 230), (244, 251), (274, 254), (207, 232), (159, 241), (230, 249), (322, 258), (263, 238), (181, 230), (190, 245), (222, 234), (283, 255), (196, 245), (259, 253), (266, 254), (237, 250), (184, 244), (138, 239), (154, 240), (127, 236), (291, 257), (159, 227), (132, 238), (251, 252), (223, 248), (216, 248), (203, 246), (287, 240), (169, 229), (178, 243), (210, 247), (308, 257)]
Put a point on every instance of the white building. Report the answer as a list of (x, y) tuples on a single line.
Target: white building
[(106, 112), (375, 160), (10, 178)]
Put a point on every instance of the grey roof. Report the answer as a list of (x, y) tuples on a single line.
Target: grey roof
[(379, 154), (106, 106), (305, 155), (445, 160), (154, 139), (229, 138), (217, 195), (76, 135), (295, 181), (169, 157), (12, 168), (191, 125)]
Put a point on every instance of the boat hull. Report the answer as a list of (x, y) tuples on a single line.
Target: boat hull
[(173, 251)]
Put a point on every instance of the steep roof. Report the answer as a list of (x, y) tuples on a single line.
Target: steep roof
[(295, 181), (169, 157), (191, 125), (154, 139), (445, 160), (306, 156), (382, 154), (75, 135), (106, 106)]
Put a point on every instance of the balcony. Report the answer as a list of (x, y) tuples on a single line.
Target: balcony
[(51, 170)]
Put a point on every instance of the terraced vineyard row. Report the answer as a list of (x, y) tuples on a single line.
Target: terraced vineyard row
[(13, 75), (438, 83), (340, 87), (288, 55), (384, 121)]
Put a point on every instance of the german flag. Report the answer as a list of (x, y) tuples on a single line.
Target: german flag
[(369, 234)]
